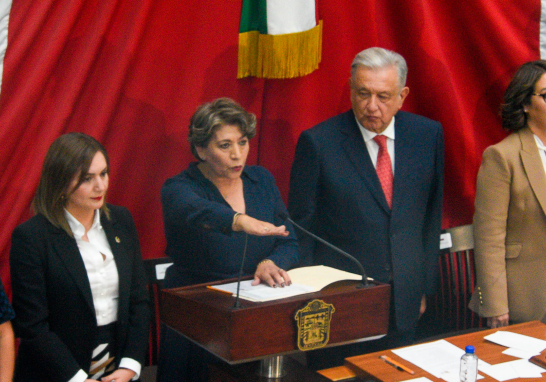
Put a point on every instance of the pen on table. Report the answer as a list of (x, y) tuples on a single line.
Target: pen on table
[(395, 364), (218, 290)]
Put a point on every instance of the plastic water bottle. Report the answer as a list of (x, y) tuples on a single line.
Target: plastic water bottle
[(469, 366)]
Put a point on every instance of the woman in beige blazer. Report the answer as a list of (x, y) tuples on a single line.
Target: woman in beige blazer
[(510, 217)]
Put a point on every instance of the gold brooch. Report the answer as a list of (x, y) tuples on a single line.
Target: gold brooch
[(118, 240)]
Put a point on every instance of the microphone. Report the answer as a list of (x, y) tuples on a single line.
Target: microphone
[(237, 304), (365, 284)]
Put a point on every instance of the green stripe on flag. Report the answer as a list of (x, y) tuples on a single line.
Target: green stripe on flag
[(254, 16)]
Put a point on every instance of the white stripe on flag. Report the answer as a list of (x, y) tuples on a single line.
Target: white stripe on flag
[(5, 7), (543, 30), (290, 16)]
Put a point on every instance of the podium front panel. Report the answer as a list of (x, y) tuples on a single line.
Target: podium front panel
[(261, 329)]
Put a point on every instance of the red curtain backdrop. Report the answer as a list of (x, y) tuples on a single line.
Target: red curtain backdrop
[(131, 73)]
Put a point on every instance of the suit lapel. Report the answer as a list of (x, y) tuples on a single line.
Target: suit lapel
[(533, 166), (402, 163), (116, 239), (67, 250), (355, 148)]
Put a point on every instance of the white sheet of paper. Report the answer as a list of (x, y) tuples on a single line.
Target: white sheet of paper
[(420, 379), (263, 292), (517, 341), (445, 240), (518, 353), (527, 369), (304, 280), (436, 357), (520, 368), (451, 376), (160, 270), (440, 358), (454, 376), (500, 372), (319, 276)]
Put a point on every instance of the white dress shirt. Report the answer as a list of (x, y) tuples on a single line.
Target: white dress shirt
[(541, 151), (373, 147), (102, 273), (101, 268)]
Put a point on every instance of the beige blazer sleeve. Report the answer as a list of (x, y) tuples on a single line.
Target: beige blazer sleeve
[(490, 224), (510, 231)]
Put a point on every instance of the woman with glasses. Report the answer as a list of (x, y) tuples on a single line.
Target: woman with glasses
[(510, 216)]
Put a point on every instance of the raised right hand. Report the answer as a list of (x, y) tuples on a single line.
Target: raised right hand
[(257, 227)]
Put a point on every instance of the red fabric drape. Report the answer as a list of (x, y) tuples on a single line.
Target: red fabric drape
[(131, 73)]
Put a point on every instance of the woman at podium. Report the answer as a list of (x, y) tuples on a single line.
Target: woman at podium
[(213, 212)]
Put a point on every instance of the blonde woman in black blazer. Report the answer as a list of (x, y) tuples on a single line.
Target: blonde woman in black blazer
[(57, 314)]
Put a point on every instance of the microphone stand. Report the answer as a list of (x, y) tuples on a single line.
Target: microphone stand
[(365, 283), (237, 304)]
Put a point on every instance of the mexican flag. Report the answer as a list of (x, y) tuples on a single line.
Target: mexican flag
[(5, 7), (279, 38)]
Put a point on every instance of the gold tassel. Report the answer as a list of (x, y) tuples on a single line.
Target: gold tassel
[(279, 56)]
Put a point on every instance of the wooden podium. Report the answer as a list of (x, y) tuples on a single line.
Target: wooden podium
[(258, 331)]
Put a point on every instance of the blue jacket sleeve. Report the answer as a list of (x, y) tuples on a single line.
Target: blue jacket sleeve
[(185, 205)]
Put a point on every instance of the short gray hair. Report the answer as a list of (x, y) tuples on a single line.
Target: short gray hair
[(211, 116), (378, 58)]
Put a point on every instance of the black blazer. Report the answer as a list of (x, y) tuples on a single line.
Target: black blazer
[(335, 192), (55, 316)]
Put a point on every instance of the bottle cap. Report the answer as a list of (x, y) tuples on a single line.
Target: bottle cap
[(469, 349)]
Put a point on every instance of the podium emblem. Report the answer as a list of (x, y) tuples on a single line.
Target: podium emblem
[(314, 325)]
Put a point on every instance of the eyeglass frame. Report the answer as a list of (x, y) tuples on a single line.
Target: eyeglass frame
[(543, 95)]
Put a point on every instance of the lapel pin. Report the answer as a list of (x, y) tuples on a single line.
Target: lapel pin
[(118, 240)]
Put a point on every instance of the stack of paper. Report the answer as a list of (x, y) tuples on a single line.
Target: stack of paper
[(439, 358), (520, 346), (442, 359), (304, 280)]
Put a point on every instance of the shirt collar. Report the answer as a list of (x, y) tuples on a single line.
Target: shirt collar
[(539, 143), (369, 135), (77, 228)]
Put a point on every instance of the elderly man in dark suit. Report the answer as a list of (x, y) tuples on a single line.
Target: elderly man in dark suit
[(370, 181)]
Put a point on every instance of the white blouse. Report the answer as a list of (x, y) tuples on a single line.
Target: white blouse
[(541, 151), (102, 273), (101, 268)]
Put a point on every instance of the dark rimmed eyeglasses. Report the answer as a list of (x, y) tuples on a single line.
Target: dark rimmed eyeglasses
[(540, 95)]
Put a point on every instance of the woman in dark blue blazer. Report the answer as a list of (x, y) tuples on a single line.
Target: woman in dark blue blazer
[(213, 212), (79, 292)]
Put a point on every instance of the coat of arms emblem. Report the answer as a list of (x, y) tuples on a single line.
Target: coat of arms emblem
[(314, 325)]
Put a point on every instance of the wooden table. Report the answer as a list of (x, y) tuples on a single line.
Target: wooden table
[(369, 366)]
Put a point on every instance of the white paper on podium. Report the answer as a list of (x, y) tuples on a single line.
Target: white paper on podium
[(263, 292), (304, 280), (319, 276)]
